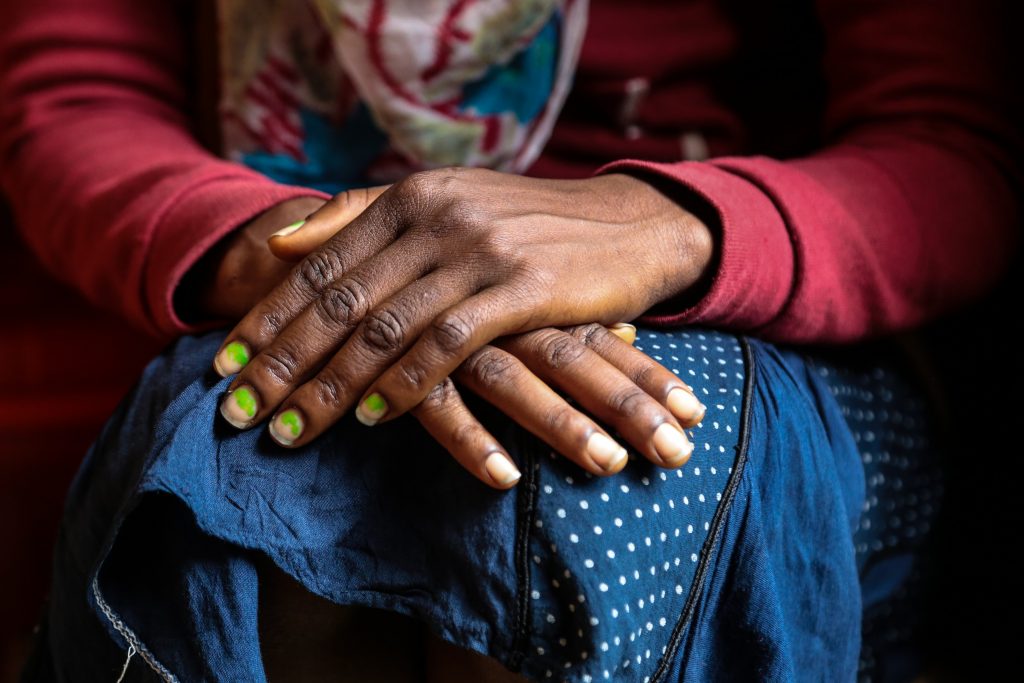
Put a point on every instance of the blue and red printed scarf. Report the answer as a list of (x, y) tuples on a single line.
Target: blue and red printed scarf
[(337, 93)]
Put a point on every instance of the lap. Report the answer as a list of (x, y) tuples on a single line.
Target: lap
[(569, 576)]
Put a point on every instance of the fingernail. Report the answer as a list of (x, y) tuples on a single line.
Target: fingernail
[(501, 470), (684, 405), (606, 453), (624, 331), (671, 444), (231, 359), (287, 426), (372, 409), (239, 407), (284, 232)]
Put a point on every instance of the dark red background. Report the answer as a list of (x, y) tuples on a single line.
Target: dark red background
[(63, 368)]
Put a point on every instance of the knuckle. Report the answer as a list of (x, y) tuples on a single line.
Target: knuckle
[(341, 304), (447, 182), (455, 173), (452, 332), (491, 367), (561, 351), (645, 375), (458, 200), (590, 335), (412, 376), (280, 363), (318, 270), (561, 420), (464, 435), (415, 188), (329, 388), (384, 331), (629, 402), (440, 396), (270, 323), (439, 199)]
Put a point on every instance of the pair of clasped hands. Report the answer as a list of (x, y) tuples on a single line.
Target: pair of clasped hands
[(510, 286)]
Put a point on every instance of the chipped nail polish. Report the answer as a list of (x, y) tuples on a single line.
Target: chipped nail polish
[(287, 426), (239, 407), (232, 358), (372, 409)]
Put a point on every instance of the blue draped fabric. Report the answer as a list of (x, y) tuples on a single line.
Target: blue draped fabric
[(800, 515)]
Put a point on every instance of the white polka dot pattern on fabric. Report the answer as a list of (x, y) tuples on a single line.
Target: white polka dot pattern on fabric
[(888, 428), (890, 425), (624, 567), (625, 554)]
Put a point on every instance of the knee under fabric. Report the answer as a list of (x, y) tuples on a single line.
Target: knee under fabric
[(800, 514)]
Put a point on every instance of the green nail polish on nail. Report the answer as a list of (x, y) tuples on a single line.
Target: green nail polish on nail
[(375, 403), (237, 352), (288, 230), (371, 409), (291, 419), (245, 401)]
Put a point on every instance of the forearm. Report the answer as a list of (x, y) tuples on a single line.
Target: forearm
[(859, 240), (906, 211), (106, 180)]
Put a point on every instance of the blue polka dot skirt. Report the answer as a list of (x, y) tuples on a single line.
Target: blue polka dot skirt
[(789, 547)]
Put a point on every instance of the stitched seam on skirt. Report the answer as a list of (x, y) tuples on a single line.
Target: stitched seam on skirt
[(717, 522), (129, 635), (527, 509)]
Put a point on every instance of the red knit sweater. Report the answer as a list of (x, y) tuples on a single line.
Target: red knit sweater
[(860, 154)]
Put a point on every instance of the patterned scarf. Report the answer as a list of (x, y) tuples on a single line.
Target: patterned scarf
[(339, 93)]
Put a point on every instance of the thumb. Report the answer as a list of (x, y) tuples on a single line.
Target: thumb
[(297, 240)]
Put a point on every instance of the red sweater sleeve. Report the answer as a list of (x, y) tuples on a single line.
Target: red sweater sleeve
[(907, 212), (107, 182)]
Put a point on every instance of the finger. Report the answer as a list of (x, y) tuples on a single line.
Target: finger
[(624, 331), (386, 332), (603, 391), (368, 234), (502, 380), (299, 239), (302, 347), (651, 376), (448, 420), (448, 340)]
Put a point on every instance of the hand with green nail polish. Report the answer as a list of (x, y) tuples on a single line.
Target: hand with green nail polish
[(437, 271), (237, 273)]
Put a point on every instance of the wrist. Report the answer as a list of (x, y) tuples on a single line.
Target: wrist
[(683, 232), (240, 269)]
